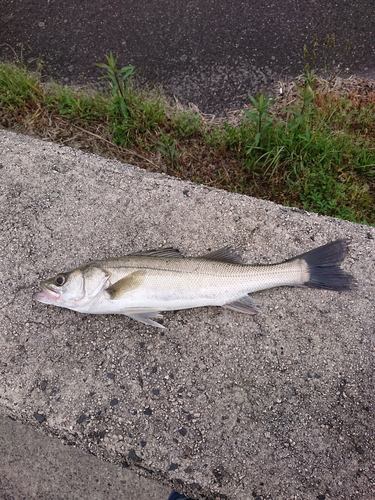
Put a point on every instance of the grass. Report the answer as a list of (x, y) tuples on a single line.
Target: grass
[(312, 148)]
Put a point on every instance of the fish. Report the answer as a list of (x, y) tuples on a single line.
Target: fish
[(141, 285)]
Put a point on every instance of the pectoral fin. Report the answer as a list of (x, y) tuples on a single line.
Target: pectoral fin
[(145, 317), (124, 285), (245, 305)]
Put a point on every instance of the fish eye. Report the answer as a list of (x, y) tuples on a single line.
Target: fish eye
[(60, 279)]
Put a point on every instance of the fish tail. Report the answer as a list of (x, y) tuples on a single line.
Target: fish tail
[(324, 267)]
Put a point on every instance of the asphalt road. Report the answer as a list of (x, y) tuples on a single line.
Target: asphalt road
[(210, 53)]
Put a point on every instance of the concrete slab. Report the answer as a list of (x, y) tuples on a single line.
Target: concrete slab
[(35, 466), (218, 405)]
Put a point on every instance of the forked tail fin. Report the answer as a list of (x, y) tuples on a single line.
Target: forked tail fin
[(324, 267)]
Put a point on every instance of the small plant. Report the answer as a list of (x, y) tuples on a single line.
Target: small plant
[(133, 113), (168, 148), (261, 119), (187, 124), (120, 80)]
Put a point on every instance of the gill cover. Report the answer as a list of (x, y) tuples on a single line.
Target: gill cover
[(73, 289)]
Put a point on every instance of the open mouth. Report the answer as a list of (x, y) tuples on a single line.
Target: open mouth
[(47, 296)]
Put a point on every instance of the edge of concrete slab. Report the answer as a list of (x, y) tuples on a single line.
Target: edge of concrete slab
[(34, 465)]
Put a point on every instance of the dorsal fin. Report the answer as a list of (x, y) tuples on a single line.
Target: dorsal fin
[(160, 252), (226, 254)]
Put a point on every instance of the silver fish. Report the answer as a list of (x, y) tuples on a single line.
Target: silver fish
[(142, 284)]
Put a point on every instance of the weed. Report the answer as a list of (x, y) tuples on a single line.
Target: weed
[(132, 114), (120, 80), (75, 104), (321, 56), (316, 167), (261, 120), (168, 148), (19, 88), (187, 124)]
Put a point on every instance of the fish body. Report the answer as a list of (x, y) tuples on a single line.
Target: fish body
[(142, 284)]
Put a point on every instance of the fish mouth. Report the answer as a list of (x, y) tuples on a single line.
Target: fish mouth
[(47, 296)]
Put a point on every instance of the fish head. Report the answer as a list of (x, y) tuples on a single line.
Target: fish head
[(74, 289)]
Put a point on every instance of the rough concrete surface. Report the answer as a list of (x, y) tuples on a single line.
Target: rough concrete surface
[(219, 404)]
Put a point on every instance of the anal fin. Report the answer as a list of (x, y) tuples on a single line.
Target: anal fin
[(245, 305), (144, 316)]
